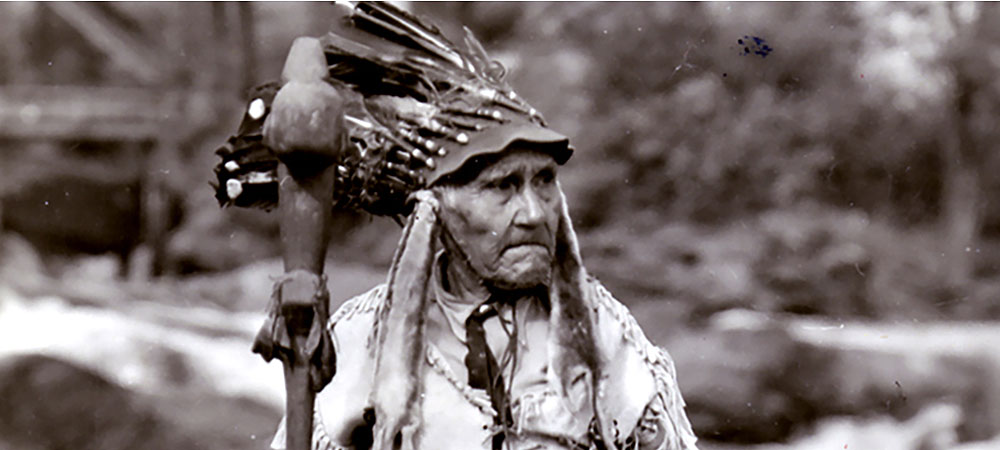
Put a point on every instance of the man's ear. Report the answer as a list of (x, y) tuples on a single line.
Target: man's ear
[(445, 238)]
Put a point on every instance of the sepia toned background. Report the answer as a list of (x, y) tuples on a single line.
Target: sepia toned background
[(797, 200)]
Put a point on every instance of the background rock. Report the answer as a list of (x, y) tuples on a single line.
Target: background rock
[(751, 378), (51, 404)]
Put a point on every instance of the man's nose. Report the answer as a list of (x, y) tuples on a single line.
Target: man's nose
[(530, 212)]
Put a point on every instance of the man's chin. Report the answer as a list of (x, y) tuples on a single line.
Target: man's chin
[(523, 268)]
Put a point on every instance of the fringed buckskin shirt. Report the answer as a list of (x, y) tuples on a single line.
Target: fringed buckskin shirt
[(457, 417)]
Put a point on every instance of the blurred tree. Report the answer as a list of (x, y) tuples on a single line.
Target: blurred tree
[(965, 148), (931, 90)]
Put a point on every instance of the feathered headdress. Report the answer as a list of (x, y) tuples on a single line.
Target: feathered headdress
[(418, 108)]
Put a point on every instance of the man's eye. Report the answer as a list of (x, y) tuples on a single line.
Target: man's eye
[(546, 177), (503, 184)]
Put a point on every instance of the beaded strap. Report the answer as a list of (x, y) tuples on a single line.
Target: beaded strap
[(437, 362)]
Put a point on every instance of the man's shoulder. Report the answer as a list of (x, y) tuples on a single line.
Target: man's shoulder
[(618, 326), (361, 307), (612, 312)]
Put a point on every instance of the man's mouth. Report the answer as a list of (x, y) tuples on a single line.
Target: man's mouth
[(526, 245)]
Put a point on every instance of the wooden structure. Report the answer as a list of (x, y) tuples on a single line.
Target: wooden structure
[(74, 112), (156, 99)]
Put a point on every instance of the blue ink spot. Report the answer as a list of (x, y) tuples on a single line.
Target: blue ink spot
[(753, 45)]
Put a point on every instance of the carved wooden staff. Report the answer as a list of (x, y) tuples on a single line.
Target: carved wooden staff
[(305, 129)]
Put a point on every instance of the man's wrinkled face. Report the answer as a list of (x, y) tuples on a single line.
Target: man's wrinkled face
[(505, 220)]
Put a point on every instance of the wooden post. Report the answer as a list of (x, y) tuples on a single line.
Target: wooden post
[(305, 208)]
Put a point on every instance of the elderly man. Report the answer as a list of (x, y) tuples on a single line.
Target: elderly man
[(489, 333)]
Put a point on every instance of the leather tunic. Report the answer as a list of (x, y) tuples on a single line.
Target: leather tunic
[(643, 398)]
